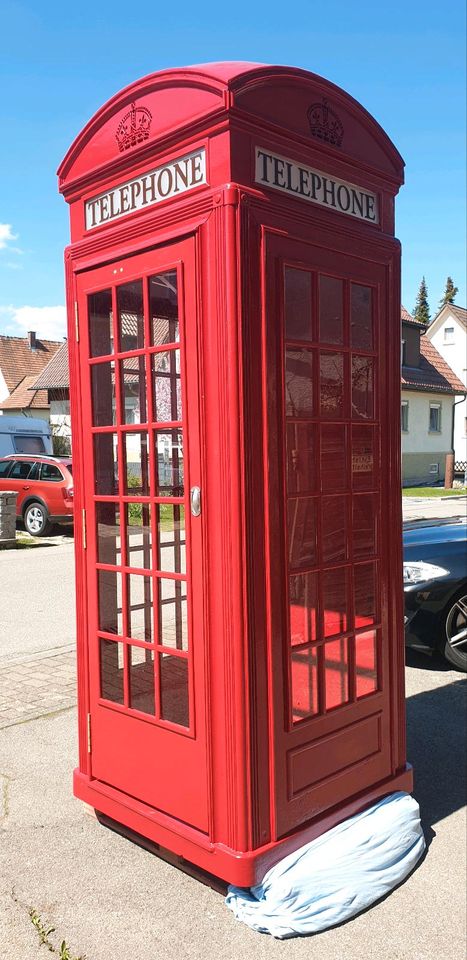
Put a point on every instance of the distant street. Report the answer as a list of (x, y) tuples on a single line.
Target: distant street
[(414, 508)]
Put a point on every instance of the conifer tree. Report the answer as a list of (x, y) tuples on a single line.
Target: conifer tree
[(422, 310), (449, 293)]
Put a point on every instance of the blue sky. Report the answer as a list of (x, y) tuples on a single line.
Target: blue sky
[(404, 61)]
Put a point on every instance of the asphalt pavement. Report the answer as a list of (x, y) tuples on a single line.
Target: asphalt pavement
[(109, 899)]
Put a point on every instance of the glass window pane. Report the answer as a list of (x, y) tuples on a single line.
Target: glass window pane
[(365, 664), (336, 673), (130, 316), (297, 306), (167, 395), (331, 310), (25, 444), (302, 533), (173, 623), (141, 667), (103, 394), (140, 606), (362, 387), (364, 463), (163, 307), (299, 383), (364, 525), (138, 535), (303, 601), (334, 459), (304, 683), (302, 460), (169, 453), (21, 470), (109, 549), (106, 464), (361, 322), (172, 538), (137, 464), (335, 601), (100, 323), (331, 384), (365, 594), (334, 534), (110, 601), (50, 472), (133, 387), (405, 416), (111, 670), (174, 689)]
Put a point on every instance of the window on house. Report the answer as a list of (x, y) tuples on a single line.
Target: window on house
[(435, 418), (449, 335), (404, 416)]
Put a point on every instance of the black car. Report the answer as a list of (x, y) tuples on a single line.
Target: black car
[(435, 587)]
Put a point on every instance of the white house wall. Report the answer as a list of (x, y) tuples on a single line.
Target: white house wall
[(421, 449), (455, 354), (4, 391)]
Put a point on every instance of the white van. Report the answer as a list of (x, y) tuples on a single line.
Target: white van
[(25, 435)]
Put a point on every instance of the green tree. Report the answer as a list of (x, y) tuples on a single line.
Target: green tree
[(449, 293), (422, 310)]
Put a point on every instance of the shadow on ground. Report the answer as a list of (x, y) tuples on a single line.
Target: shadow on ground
[(436, 746)]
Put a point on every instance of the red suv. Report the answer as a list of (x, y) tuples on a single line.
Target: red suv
[(45, 490)]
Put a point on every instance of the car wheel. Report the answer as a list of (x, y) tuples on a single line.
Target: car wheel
[(455, 632), (36, 520)]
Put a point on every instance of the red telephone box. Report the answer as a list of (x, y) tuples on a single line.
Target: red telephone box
[(234, 331)]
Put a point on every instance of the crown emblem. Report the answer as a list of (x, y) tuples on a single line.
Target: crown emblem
[(134, 128), (325, 124)]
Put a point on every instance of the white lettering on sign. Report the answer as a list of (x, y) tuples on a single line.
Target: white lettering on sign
[(173, 178), (314, 185)]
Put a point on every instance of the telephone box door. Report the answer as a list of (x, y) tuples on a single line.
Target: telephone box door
[(326, 331), (139, 383)]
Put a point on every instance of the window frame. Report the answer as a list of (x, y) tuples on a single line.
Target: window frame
[(50, 479), (437, 407), (451, 338), (405, 408), (8, 464), (31, 464)]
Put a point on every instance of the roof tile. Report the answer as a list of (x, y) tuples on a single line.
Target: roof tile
[(18, 361)]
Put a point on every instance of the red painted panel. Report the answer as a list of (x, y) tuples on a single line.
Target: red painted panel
[(241, 703)]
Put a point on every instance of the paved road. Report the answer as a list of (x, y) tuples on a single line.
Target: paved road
[(414, 508), (37, 599)]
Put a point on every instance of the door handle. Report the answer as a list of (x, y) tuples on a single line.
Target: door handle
[(195, 501), (26, 487)]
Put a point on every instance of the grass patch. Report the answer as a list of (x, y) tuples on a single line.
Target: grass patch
[(433, 492), (135, 515), (62, 951), (23, 543)]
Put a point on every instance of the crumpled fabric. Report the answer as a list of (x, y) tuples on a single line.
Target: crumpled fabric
[(337, 875)]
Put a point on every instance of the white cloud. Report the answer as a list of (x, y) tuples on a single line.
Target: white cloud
[(49, 323), (6, 234)]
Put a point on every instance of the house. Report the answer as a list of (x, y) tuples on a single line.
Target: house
[(21, 361), (54, 382), (448, 334), (429, 389)]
